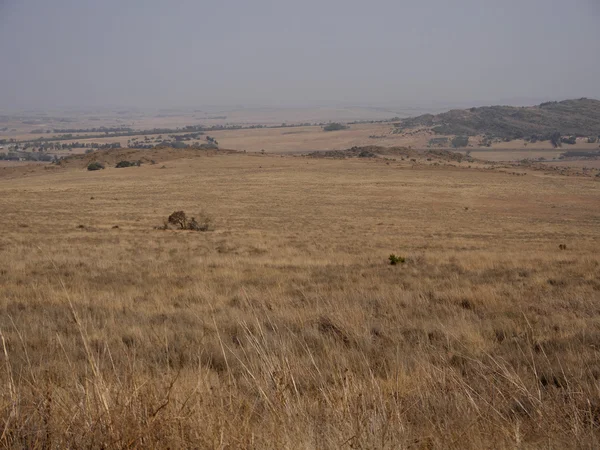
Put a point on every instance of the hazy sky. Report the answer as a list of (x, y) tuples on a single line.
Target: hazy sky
[(159, 53)]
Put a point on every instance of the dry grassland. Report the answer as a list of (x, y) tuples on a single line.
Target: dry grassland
[(286, 327)]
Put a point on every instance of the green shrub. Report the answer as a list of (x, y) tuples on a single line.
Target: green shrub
[(95, 166), (396, 259), (122, 164)]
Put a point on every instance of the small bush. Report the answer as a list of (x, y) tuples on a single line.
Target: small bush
[(396, 259), (204, 223), (180, 220), (366, 154), (122, 164), (95, 166)]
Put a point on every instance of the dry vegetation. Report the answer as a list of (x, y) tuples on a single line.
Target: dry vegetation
[(286, 326)]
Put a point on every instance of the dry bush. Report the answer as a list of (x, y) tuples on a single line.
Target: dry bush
[(179, 220)]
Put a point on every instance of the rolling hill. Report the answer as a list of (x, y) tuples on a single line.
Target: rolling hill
[(569, 117)]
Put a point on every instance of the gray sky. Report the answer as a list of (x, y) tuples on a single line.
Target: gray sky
[(153, 53)]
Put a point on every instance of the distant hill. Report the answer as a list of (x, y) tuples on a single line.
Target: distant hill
[(570, 117)]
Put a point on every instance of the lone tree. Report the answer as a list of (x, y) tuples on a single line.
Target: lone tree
[(460, 141), (178, 218), (555, 139)]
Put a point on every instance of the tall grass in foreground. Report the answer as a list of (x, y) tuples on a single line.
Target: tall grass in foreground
[(378, 374)]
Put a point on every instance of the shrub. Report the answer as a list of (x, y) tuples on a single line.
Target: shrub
[(95, 166), (396, 259), (204, 222), (122, 164), (180, 220), (366, 154), (592, 140), (334, 126)]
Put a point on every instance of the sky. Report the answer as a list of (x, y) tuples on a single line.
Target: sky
[(279, 53)]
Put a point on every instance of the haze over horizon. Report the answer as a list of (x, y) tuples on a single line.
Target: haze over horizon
[(68, 53)]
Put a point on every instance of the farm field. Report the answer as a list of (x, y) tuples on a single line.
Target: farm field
[(286, 326)]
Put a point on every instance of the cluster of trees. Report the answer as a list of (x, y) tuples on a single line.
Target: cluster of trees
[(27, 156), (40, 131), (91, 130), (438, 142), (557, 139), (334, 126), (142, 146), (54, 146), (186, 137), (460, 141), (487, 141), (572, 140)]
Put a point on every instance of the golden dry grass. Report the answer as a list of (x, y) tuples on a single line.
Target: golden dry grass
[(286, 327)]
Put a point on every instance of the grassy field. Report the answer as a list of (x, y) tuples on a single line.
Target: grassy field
[(286, 326)]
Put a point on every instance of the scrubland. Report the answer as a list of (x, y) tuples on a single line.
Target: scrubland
[(286, 327)]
